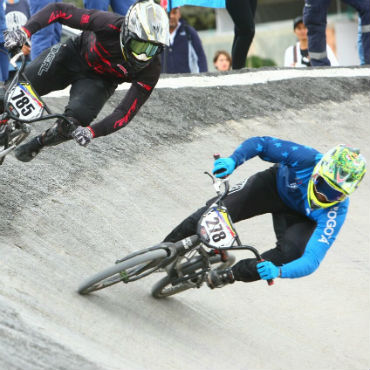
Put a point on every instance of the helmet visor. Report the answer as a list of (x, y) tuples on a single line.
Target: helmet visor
[(325, 189), (144, 47)]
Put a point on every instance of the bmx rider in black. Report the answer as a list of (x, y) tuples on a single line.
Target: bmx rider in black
[(112, 49)]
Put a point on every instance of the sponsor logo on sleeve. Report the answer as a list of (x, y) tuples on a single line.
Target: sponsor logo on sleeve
[(329, 227)]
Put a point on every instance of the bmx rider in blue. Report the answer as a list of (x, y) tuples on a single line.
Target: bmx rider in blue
[(305, 191)]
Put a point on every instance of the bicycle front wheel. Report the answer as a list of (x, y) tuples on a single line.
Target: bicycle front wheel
[(131, 269)]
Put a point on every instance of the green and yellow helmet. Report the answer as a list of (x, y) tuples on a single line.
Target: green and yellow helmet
[(336, 176)]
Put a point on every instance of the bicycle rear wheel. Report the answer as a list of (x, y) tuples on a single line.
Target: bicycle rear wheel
[(14, 139), (129, 270), (168, 286)]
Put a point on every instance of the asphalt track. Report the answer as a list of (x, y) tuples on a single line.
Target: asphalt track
[(73, 211)]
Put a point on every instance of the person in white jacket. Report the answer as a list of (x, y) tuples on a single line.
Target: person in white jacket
[(297, 54)]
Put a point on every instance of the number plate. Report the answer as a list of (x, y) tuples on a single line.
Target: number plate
[(215, 228), (24, 103)]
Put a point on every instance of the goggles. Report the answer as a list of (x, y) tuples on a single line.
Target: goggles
[(143, 50), (325, 189)]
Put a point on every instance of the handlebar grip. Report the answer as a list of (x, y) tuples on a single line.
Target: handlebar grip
[(16, 55)]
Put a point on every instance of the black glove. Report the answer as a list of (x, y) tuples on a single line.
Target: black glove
[(82, 135), (15, 39)]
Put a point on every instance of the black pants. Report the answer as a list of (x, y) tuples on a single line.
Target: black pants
[(256, 196), (61, 66), (242, 13)]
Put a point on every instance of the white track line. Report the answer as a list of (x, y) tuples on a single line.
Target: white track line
[(247, 78)]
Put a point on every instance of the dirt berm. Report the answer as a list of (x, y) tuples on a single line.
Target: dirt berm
[(73, 211)]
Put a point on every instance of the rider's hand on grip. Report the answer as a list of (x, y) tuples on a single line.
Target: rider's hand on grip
[(268, 271), (15, 39), (83, 135), (223, 167)]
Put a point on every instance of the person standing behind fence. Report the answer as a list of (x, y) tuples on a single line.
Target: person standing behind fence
[(297, 54), (185, 53), (314, 17), (17, 12), (4, 59), (360, 48), (118, 6), (222, 61), (47, 36), (242, 13)]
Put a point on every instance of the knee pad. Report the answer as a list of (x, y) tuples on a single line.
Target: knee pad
[(61, 131), (65, 128)]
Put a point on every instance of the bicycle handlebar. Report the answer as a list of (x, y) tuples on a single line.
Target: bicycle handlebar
[(19, 71), (14, 59), (217, 185)]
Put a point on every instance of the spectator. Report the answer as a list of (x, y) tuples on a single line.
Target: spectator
[(17, 12), (242, 13), (118, 6), (314, 16), (359, 43), (4, 59), (185, 53), (297, 54), (47, 36), (222, 61)]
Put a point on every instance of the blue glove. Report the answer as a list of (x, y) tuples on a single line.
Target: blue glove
[(267, 270), (223, 167)]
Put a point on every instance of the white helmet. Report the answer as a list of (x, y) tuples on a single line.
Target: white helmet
[(144, 33)]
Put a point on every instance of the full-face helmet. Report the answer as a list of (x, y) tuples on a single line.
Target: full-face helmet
[(144, 33), (336, 176)]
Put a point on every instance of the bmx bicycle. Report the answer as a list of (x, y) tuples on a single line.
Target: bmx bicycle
[(185, 263), (22, 106)]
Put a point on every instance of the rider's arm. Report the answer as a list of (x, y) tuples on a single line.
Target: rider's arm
[(275, 150), (69, 15), (135, 97), (322, 238)]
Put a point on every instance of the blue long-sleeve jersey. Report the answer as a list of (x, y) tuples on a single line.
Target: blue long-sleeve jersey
[(296, 164)]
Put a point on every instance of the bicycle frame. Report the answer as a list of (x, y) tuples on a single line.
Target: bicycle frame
[(17, 107), (217, 203), (178, 250)]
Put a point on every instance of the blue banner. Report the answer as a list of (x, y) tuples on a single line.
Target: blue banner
[(206, 3)]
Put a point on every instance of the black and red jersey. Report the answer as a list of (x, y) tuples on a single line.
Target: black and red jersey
[(100, 49)]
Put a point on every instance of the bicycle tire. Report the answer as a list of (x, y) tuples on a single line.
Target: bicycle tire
[(164, 287), (113, 275)]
